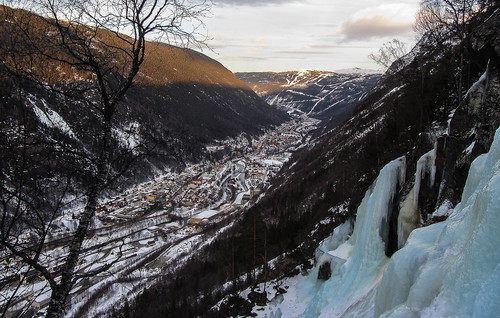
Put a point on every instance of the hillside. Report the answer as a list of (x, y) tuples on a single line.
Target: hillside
[(90, 116), (180, 102), (330, 96)]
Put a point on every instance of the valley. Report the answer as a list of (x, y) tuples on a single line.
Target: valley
[(178, 189), (153, 227)]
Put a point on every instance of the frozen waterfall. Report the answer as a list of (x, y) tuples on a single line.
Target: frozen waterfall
[(452, 268), (409, 214), (448, 269), (364, 252), (357, 263)]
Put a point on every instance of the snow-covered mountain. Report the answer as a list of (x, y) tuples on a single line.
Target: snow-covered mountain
[(319, 94)]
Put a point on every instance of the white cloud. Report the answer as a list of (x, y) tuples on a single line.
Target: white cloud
[(379, 25), (383, 20)]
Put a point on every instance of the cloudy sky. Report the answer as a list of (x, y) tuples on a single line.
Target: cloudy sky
[(281, 35)]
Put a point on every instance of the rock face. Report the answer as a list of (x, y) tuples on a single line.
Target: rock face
[(487, 34), (324, 271), (472, 124), (258, 298)]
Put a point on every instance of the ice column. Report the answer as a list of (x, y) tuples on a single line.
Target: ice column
[(409, 215), (451, 268), (364, 251)]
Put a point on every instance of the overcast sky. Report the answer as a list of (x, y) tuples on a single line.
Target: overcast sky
[(281, 35)]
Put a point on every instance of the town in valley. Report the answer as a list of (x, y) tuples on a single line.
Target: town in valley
[(150, 227)]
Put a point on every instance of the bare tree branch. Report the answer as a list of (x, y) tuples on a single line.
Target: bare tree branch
[(389, 52)]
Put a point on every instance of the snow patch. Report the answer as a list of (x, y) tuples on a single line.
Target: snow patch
[(444, 209), (450, 118), (482, 81), (468, 151), (272, 162), (129, 135), (49, 117), (357, 71)]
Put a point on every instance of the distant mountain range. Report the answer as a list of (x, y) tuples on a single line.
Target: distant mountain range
[(319, 94)]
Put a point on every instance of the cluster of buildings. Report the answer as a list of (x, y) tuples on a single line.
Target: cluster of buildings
[(206, 191)]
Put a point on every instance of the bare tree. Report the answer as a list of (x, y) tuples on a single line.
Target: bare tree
[(390, 52), (101, 45), (29, 199), (447, 20)]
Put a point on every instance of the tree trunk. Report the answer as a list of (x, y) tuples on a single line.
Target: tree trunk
[(232, 265), (265, 258), (254, 246), (60, 293)]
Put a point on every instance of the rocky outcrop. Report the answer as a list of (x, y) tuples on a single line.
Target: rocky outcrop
[(470, 133), (487, 34), (324, 271)]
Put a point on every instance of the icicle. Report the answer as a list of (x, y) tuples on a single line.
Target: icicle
[(425, 167)]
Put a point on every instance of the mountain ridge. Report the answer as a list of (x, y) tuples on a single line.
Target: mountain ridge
[(324, 95)]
